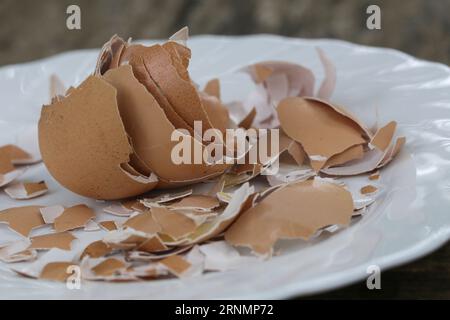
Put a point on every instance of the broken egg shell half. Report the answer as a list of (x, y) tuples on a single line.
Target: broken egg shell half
[(97, 143)]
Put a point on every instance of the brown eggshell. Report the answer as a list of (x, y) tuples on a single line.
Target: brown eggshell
[(321, 130), (83, 143), (150, 131)]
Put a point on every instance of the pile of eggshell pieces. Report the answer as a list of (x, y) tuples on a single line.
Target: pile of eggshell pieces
[(109, 139)]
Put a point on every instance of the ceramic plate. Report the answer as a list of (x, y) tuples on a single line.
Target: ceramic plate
[(410, 219)]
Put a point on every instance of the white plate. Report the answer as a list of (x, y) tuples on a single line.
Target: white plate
[(411, 218)]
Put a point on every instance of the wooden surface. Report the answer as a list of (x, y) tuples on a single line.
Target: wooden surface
[(426, 278), (33, 29)]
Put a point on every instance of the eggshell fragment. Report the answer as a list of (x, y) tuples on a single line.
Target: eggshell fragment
[(22, 219), (143, 222), (175, 225), (196, 203), (57, 89), (181, 36), (49, 214), (375, 176), (34, 269), (11, 154), (176, 265), (73, 218), (83, 143), (241, 200), (321, 131), (375, 157), (153, 244), (296, 210), (212, 88), (181, 94), (166, 197), (352, 153), (368, 189), (28, 190), (329, 82), (61, 240), (108, 267), (10, 176), (108, 225), (17, 251), (96, 249), (56, 271)]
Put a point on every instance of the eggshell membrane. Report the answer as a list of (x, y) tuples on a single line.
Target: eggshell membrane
[(181, 94), (151, 131), (296, 210), (321, 131), (83, 143)]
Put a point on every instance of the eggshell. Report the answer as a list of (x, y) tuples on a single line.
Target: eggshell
[(84, 144), (320, 130), (150, 131), (296, 210)]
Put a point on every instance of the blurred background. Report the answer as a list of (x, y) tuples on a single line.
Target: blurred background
[(34, 29)]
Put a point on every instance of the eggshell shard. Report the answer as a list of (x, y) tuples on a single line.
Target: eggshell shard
[(196, 203), (212, 88), (108, 225), (49, 214), (83, 143), (296, 210), (57, 89), (368, 189), (17, 251), (22, 219), (177, 265), (10, 176), (60, 240), (29, 190), (181, 94), (56, 271), (55, 255), (320, 130), (11, 154), (73, 218), (174, 224), (374, 158), (329, 82), (96, 249)]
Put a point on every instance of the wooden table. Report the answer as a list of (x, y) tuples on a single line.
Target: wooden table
[(426, 278)]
